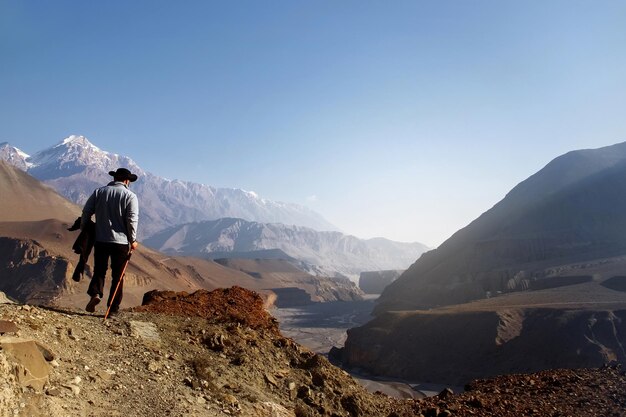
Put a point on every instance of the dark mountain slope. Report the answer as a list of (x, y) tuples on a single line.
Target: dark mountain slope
[(571, 211)]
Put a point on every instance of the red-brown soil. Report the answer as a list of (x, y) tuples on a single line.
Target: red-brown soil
[(223, 305)]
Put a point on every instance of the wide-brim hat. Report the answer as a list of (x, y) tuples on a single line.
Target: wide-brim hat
[(123, 174)]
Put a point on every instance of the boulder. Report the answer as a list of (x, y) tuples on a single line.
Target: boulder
[(30, 366)]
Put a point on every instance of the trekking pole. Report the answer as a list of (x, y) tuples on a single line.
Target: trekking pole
[(118, 285)]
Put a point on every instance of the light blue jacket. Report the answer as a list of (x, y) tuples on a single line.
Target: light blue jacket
[(117, 213)]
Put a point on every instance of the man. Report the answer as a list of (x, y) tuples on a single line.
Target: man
[(117, 213)]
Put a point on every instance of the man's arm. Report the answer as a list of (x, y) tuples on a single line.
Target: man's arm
[(132, 220)]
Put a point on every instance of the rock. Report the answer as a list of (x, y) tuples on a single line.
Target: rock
[(47, 353), (4, 299), (351, 405), (106, 375), (146, 331), (154, 366), (269, 378), (215, 342), (31, 367), (447, 392), (269, 409), (8, 327), (432, 412), (230, 400), (304, 392)]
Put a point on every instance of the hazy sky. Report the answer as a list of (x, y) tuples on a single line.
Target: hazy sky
[(402, 119)]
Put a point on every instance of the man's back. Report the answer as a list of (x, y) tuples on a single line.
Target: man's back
[(117, 212)]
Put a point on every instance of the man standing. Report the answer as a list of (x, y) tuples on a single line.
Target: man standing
[(117, 213)]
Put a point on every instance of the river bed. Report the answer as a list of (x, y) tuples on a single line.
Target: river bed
[(320, 326)]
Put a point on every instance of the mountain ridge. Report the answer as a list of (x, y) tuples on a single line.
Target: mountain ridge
[(333, 251), (75, 167)]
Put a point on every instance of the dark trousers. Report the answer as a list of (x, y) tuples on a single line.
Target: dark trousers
[(118, 253)]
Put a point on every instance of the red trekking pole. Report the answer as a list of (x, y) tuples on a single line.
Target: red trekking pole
[(118, 285)]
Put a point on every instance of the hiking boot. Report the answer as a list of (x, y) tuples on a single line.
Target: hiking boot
[(91, 306)]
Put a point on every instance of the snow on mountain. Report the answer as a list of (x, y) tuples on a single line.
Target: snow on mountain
[(72, 156), (14, 156), (333, 251), (75, 167)]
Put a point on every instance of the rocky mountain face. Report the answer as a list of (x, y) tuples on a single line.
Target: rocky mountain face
[(573, 319), (570, 211), (75, 167), (374, 282), (485, 344), (220, 353), (331, 252)]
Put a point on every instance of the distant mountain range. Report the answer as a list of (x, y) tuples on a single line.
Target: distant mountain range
[(75, 167), (195, 219), (571, 211), (331, 251)]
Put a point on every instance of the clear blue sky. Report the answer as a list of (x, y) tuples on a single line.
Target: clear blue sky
[(402, 119)]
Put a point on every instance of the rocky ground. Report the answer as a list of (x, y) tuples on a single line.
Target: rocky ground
[(220, 353)]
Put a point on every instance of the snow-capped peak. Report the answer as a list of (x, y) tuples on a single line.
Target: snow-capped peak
[(78, 140), (72, 155), (14, 156)]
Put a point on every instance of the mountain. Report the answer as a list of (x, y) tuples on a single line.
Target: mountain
[(374, 282), (537, 282), (571, 211), (37, 261), (14, 156), (332, 252), (75, 167)]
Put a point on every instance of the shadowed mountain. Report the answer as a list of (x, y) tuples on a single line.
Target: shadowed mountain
[(537, 282), (571, 211), (330, 252)]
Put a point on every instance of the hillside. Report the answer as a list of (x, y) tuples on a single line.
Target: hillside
[(569, 212), (220, 354), (24, 198)]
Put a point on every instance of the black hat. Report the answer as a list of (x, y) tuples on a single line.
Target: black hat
[(123, 174)]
